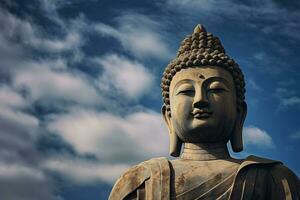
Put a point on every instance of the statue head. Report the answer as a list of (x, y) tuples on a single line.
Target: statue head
[(204, 94)]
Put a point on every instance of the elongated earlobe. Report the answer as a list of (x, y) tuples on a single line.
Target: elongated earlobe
[(236, 139), (175, 142), (175, 145)]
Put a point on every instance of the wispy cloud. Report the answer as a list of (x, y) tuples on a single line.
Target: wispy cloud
[(26, 77), (283, 92), (139, 34), (291, 101), (286, 82), (287, 98), (18, 181), (50, 9), (117, 142), (254, 136), (82, 171), (254, 85), (46, 84), (11, 98), (253, 12), (31, 36), (51, 80), (19, 158), (96, 132), (120, 75), (295, 135)]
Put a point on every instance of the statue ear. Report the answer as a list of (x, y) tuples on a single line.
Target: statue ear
[(236, 139), (175, 142)]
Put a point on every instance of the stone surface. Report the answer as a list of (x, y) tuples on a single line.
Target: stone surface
[(204, 108)]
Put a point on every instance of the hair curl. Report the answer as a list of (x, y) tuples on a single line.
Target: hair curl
[(198, 50)]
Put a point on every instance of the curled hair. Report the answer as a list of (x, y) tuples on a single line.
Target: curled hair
[(198, 50)]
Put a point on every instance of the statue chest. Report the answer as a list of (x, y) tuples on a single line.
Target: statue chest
[(192, 179)]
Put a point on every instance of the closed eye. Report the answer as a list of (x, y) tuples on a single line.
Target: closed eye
[(185, 88), (186, 92), (217, 90), (217, 87)]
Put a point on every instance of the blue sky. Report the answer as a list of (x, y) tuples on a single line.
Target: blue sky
[(79, 90)]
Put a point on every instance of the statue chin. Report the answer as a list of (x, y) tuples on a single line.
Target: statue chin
[(203, 133), (203, 136)]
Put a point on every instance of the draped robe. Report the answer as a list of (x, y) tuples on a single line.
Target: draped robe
[(255, 178)]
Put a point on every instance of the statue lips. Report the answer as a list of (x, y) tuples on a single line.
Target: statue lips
[(201, 113)]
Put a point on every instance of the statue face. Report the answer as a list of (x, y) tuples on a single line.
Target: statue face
[(203, 104)]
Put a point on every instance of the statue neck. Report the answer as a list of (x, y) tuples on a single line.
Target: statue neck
[(205, 152)]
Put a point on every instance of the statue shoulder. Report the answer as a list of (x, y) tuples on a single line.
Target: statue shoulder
[(261, 177), (273, 168), (284, 181), (134, 177)]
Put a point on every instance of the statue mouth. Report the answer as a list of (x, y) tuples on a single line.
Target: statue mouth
[(201, 114)]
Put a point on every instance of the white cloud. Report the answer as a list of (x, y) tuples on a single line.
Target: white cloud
[(19, 130), (287, 82), (50, 8), (254, 12), (114, 139), (260, 56), (230, 8), (139, 34), (257, 137), (295, 135), (17, 171), (20, 118), (49, 84), (287, 98), (118, 142), (120, 75), (24, 182), (71, 41), (20, 41), (8, 97), (192, 4), (19, 158), (291, 101), (82, 171), (282, 93), (30, 35), (16, 125), (51, 79), (253, 85)]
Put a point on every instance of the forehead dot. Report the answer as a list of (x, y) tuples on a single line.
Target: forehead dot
[(201, 76)]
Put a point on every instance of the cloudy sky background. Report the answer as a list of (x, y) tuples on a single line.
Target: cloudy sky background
[(79, 86)]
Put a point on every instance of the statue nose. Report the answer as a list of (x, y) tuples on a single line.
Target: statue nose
[(200, 100)]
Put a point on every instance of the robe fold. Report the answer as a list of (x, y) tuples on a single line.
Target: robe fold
[(256, 178)]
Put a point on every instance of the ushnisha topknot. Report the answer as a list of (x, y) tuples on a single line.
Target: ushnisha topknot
[(197, 50)]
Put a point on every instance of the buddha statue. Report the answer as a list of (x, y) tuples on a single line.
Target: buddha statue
[(204, 108)]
